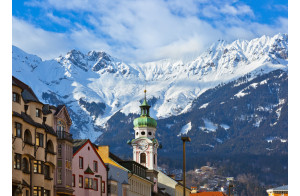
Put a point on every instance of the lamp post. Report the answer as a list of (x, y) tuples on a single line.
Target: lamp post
[(184, 139)]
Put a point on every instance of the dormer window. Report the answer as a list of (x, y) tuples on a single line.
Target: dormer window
[(60, 126), (38, 113), (16, 97)]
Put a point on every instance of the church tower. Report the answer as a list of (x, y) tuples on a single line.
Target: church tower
[(145, 144)]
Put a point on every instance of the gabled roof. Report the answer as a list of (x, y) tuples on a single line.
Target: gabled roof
[(60, 109), (88, 171), (77, 144), (27, 93), (80, 143)]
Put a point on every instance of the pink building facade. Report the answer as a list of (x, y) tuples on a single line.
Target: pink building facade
[(89, 171)]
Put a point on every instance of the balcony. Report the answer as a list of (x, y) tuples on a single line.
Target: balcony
[(62, 135), (28, 148), (51, 157)]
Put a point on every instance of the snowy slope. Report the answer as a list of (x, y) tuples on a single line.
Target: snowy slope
[(95, 86)]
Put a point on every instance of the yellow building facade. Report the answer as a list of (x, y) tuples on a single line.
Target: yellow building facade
[(33, 144)]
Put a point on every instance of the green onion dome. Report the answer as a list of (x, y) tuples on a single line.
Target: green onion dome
[(145, 120)]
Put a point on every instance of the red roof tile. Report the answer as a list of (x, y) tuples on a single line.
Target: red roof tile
[(208, 194)]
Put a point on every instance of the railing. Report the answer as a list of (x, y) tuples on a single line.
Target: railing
[(64, 135)]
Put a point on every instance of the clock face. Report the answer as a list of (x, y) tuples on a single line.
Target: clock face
[(143, 145)]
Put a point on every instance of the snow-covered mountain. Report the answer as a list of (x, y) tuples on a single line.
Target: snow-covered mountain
[(95, 86)]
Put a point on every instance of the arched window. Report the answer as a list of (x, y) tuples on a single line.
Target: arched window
[(25, 165), (137, 133), (27, 137), (143, 132), (60, 126), (143, 158), (154, 159), (149, 133), (50, 147)]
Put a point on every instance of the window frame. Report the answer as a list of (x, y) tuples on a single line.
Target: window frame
[(95, 184), (59, 176), (47, 171), (38, 165), (17, 161), (47, 192), (39, 139), (95, 163), (73, 180), (38, 113), (80, 177), (39, 191), (103, 186), (19, 131), (17, 98), (80, 165)]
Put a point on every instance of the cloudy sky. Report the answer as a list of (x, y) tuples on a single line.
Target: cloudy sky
[(141, 30)]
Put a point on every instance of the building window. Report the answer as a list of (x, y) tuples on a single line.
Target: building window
[(60, 126), (103, 187), (17, 161), (95, 184), (143, 133), (95, 166), (80, 162), (59, 151), (143, 158), (27, 137), (149, 133), (25, 165), (108, 188), (73, 180), (59, 177), (38, 167), (16, 97), (37, 191), (80, 184), (39, 139), (38, 113), (47, 171), (50, 147), (88, 183), (46, 192), (18, 130), (154, 159), (27, 192)]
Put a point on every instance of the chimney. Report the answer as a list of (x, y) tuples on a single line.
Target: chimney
[(25, 108), (172, 176), (44, 119)]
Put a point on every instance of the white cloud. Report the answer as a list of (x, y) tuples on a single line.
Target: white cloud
[(140, 30)]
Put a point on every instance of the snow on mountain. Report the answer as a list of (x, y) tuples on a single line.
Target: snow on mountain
[(96, 85)]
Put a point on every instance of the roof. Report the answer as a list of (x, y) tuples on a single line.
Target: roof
[(58, 108), (77, 144), (29, 120), (208, 194), (280, 188), (88, 170), (106, 157), (27, 93)]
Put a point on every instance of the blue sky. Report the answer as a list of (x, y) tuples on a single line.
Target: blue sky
[(141, 30)]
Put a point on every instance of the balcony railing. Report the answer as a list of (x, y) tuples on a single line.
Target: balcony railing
[(64, 135)]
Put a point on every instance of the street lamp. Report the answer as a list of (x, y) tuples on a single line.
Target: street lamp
[(184, 139)]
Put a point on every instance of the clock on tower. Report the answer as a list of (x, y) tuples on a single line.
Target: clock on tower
[(145, 144)]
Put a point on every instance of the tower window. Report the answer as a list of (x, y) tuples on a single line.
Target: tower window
[(143, 158), (143, 132), (154, 159), (137, 133), (149, 133)]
